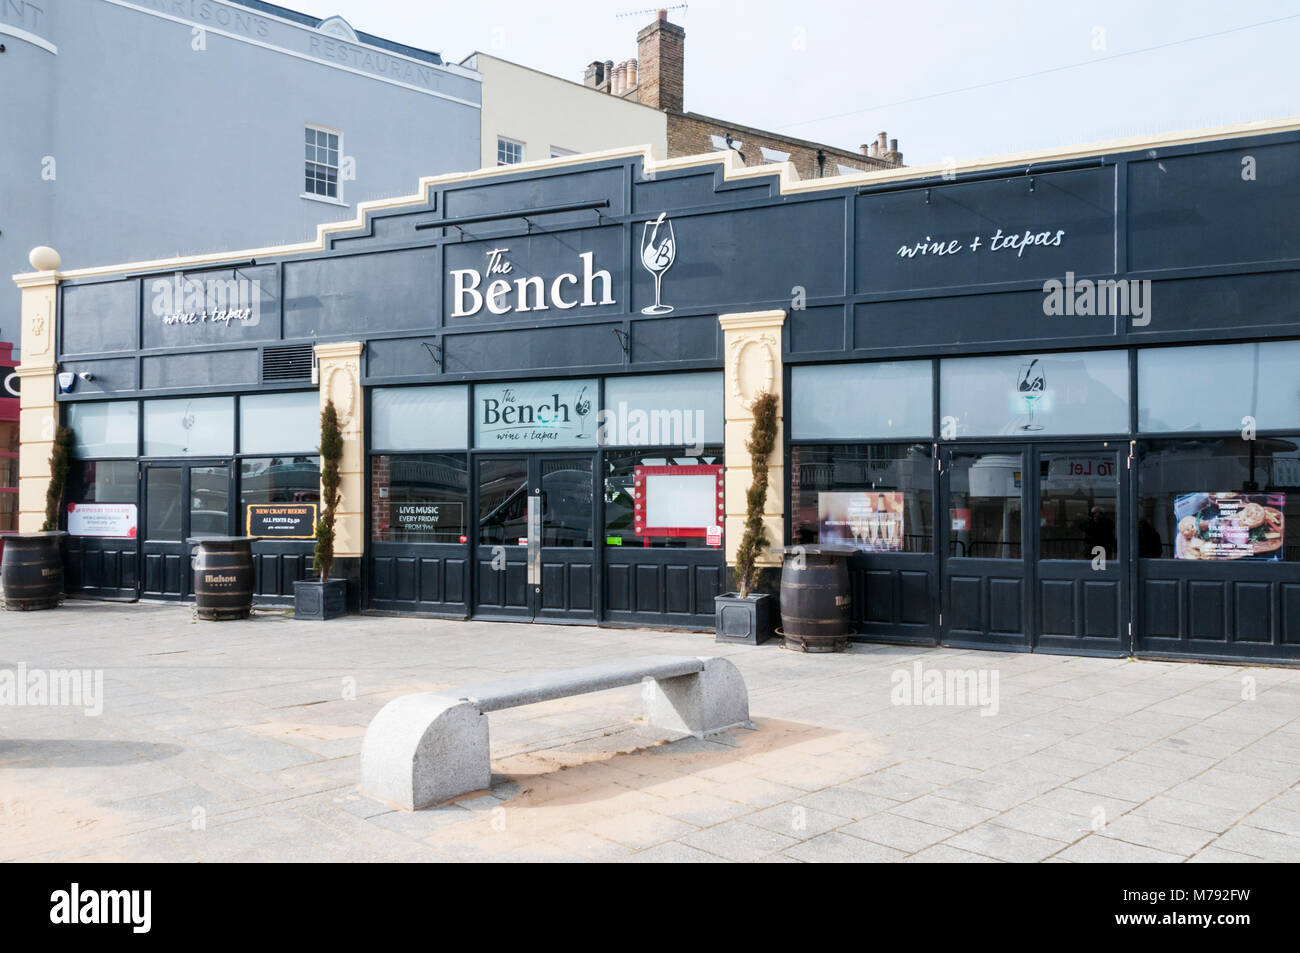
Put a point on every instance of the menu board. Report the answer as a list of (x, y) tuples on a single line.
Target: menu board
[(873, 522), (1217, 526), (281, 520)]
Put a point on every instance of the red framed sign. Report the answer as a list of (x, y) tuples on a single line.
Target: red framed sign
[(678, 500)]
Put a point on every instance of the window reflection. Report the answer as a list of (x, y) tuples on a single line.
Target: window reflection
[(877, 497), (985, 505), (418, 498)]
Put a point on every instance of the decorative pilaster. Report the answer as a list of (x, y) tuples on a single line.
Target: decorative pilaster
[(340, 381), (752, 351), (37, 369)]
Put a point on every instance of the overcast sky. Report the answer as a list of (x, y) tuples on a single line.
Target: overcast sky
[(839, 71)]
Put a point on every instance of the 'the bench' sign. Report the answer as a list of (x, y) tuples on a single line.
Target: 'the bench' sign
[(505, 294)]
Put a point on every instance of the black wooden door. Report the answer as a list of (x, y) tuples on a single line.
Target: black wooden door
[(983, 544), (182, 501), (534, 552)]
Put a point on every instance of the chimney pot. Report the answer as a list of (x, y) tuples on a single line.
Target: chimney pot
[(882, 141)]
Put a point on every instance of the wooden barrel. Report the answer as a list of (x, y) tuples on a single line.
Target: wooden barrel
[(815, 602), (32, 572), (223, 578)]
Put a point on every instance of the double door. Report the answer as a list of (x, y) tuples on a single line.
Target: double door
[(534, 537), (1032, 548), (181, 501)]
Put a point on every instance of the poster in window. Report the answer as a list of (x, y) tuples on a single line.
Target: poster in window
[(872, 522), (106, 520), (1219, 526), (686, 500)]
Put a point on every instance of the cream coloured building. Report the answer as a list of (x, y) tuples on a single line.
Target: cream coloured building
[(528, 116)]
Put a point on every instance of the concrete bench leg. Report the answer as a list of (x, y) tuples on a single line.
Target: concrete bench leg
[(424, 749), (712, 701)]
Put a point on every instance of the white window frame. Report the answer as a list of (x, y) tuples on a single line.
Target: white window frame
[(338, 170), (506, 140), (559, 152)]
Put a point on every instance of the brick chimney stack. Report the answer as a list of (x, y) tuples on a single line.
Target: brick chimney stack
[(661, 56)]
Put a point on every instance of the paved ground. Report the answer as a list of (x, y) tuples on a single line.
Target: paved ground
[(239, 742)]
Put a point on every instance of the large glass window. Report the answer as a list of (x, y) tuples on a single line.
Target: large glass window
[(109, 429), (419, 498), (275, 423), (877, 497), (278, 480), (1218, 387), (878, 401), (662, 410), (1219, 499), (189, 427), (1034, 394), (103, 481), (419, 418), (620, 488)]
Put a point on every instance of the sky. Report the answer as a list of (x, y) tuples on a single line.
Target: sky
[(840, 72)]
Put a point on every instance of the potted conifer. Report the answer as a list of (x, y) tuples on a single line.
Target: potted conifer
[(745, 616), (324, 598)]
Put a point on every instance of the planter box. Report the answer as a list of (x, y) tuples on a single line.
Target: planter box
[(746, 621), (320, 601)]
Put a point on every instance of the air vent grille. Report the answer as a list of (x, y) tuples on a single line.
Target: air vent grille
[(292, 363)]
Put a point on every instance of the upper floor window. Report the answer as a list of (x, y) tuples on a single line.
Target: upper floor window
[(559, 153), (323, 162), (509, 152)]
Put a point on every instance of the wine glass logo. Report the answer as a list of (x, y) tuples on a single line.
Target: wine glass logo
[(658, 252), (1033, 383), (582, 406)]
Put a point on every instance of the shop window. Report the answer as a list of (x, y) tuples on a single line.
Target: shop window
[(877, 401), (8, 477), (1079, 506), (1209, 499), (662, 410), (1224, 387), (189, 427), (103, 481), (322, 150), (419, 498), (620, 503), (1034, 395), (509, 152), (275, 423), (278, 480), (419, 418), (109, 429), (876, 497)]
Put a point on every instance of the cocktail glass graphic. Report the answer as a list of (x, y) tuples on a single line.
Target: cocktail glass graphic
[(1033, 383), (658, 252)]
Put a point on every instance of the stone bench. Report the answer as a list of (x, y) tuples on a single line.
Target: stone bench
[(423, 749)]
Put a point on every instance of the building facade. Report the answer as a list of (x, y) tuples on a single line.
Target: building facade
[(153, 128), (1049, 399), (656, 77), (529, 116)]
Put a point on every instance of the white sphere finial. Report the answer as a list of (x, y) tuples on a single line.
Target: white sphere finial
[(44, 258)]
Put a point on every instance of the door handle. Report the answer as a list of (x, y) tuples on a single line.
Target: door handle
[(534, 541)]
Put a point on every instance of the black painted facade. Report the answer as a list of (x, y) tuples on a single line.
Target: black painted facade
[(1210, 224)]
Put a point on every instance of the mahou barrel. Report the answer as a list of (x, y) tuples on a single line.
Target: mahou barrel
[(815, 601), (223, 578), (32, 572)]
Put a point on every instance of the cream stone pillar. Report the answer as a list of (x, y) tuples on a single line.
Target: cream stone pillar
[(340, 381), (39, 411), (752, 350)]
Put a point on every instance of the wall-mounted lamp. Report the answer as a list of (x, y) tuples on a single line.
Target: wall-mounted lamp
[(86, 376)]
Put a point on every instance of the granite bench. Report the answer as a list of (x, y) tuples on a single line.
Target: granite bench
[(423, 749)]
